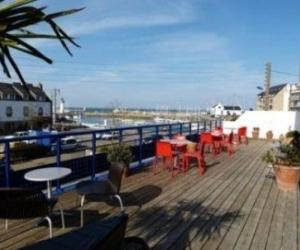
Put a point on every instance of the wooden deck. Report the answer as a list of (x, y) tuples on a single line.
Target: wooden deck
[(233, 206)]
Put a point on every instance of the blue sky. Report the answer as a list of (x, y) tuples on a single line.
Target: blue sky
[(188, 53)]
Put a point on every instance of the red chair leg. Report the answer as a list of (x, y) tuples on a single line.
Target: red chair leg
[(230, 149), (186, 163), (155, 165)]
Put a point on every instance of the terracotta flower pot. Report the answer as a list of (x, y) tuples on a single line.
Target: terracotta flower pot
[(287, 177), (269, 135), (255, 134)]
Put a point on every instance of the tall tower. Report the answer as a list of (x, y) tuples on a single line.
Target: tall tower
[(62, 106), (55, 92), (268, 69)]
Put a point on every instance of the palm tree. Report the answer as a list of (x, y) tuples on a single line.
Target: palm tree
[(17, 18)]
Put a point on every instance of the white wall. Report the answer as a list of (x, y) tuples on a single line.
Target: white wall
[(18, 106), (280, 122)]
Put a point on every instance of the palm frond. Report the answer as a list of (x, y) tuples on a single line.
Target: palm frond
[(33, 51), (6, 52), (15, 4), (16, 19)]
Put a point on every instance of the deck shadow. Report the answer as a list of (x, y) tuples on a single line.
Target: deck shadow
[(72, 217), (182, 220), (137, 197)]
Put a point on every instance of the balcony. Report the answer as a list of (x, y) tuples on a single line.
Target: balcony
[(232, 206)]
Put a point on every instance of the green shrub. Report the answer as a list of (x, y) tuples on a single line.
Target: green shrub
[(288, 151), (118, 152)]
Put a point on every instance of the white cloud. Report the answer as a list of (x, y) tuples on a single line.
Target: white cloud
[(190, 42), (89, 27), (109, 15)]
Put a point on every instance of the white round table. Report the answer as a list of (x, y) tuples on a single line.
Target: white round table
[(48, 175)]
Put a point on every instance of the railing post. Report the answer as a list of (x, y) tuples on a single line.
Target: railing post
[(180, 128), (58, 161), (204, 125), (93, 156), (198, 127), (120, 135), (7, 164), (170, 130), (140, 130), (210, 125), (216, 123), (190, 128), (156, 131)]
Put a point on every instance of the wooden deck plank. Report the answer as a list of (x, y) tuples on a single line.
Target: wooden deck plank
[(225, 187), (233, 203), (174, 197), (26, 231), (30, 224), (231, 236), (163, 178), (289, 235), (298, 218), (275, 234), (226, 223), (224, 211), (246, 236), (259, 242)]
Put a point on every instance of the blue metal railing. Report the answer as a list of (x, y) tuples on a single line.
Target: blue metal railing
[(140, 138)]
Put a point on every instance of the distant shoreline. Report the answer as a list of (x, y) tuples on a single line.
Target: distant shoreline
[(121, 115)]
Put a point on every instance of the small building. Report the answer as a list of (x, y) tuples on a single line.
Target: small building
[(222, 110), (278, 98), (19, 112), (294, 100)]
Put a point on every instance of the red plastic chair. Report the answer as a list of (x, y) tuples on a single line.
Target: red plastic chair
[(227, 144), (242, 135), (165, 152), (198, 155), (179, 148), (219, 129), (206, 138)]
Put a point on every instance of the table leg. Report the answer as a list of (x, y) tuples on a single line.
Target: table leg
[(49, 189)]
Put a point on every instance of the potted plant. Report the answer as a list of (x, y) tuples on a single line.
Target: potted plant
[(255, 133), (285, 159), (269, 135), (119, 152)]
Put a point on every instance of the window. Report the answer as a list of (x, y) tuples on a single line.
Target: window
[(40, 111), (10, 96), (9, 111), (26, 111)]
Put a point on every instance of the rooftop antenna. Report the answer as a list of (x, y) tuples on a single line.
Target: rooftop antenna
[(299, 75), (268, 69)]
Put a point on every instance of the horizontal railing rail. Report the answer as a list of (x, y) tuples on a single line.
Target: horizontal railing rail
[(139, 138)]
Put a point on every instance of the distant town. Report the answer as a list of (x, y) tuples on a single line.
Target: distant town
[(18, 112)]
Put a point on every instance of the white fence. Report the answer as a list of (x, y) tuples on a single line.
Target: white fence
[(279, 122)]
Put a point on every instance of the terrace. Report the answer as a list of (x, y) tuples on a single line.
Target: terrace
[(232, 206)]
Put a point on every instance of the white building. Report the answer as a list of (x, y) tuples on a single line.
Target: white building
[(18, 111), (61, 106), (221, 110), (282, 97)]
